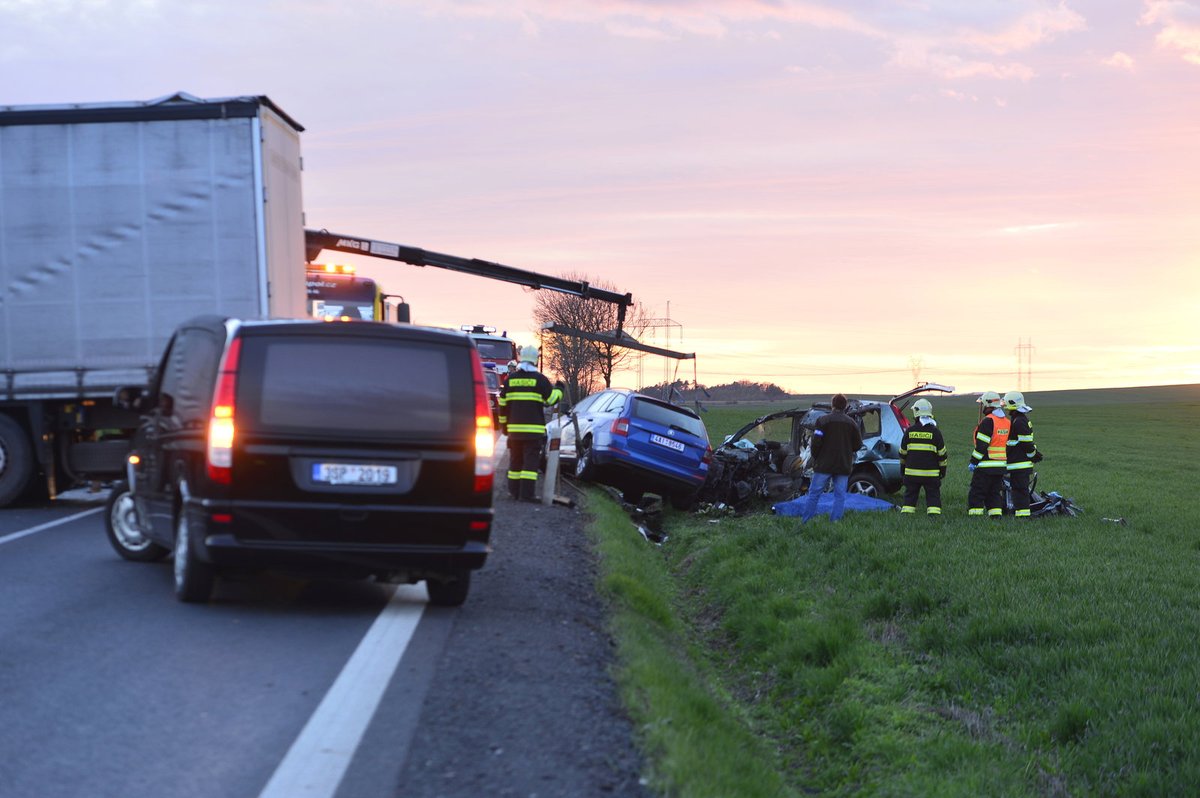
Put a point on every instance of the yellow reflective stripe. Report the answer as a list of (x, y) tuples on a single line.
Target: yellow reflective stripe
[(1022, 513), (1019, 466), (555, 395), (526, 427), (922, 447), (921, 472), (995, 511), (976, 456), (524, 396), (979, 436), (942, 452), (975, 511), (991, 464), (907, 509), (526, 475), (503, 400), (934, 510), (1025, 439)]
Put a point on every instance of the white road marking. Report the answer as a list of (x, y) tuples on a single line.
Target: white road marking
[(317, 761), (33, 530)]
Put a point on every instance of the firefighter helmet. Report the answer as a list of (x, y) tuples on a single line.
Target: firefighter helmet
[(512, 366), (1015, 400), (990, 399), (922, 407), (529, 354)]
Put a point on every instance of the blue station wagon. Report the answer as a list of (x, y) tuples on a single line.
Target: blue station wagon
[(637, 444)]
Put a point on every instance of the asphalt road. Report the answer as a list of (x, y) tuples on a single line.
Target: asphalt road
[(111, 687)]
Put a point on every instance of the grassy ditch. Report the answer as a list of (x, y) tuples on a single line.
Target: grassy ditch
[(891, 655)]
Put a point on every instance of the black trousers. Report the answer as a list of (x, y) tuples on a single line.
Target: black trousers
[(524, 451), (1018, 479), (987, 484), (933, 493)]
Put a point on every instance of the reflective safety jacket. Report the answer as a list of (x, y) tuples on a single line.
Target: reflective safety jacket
[(522, 399), (991, 441), (923, 452), (1021, 448)]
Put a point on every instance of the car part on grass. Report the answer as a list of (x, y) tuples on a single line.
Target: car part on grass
[(1117, 521), (1040, 504)]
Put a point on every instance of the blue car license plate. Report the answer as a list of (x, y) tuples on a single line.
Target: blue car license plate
[(670, 444), (353, 474)]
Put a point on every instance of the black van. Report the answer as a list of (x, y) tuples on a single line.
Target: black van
[(347, 449)]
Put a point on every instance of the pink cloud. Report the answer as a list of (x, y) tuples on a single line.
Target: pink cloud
[(1120, 61), (1029, 31), (1180, 26)]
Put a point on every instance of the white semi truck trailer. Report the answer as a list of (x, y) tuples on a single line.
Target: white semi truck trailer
[(117, 222)]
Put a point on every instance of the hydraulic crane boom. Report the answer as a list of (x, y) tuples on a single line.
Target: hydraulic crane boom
[(317, 240)]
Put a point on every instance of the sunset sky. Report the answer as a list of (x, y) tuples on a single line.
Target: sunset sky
[(825, 196)]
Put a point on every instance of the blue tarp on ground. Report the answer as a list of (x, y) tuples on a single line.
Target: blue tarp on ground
[(855, 502)]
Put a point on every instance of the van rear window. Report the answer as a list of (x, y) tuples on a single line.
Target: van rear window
[(356, 385), (669, 416)]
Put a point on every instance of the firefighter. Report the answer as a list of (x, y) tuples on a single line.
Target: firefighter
[(523, 398), (923, 461), (989, 461), (1022, 453)]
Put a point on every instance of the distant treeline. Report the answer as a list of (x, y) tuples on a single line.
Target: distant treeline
[(740, 391)]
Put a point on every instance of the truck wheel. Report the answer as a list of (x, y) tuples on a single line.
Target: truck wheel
[(450, 590), (124, 532), (867, 484), (16, 460), (193, 578)]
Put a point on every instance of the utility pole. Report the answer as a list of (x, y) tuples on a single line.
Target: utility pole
[(1024, 350)]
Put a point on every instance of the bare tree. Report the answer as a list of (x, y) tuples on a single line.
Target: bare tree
[(583, 365)]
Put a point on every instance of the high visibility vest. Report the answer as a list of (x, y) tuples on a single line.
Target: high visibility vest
[(998, 446)]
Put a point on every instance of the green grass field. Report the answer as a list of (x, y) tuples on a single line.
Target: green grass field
[(899, 655)]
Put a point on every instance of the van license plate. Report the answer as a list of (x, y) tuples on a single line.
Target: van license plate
[(670, 444), (352, 474)]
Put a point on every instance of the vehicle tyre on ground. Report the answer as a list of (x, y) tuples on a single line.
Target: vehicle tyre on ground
[(449, 591), (867, 484), (585, 469), (16, 460), (124, 533), (193, 579)]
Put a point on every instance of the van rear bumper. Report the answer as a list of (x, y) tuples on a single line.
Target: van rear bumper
[(370, 539), (226, 550)]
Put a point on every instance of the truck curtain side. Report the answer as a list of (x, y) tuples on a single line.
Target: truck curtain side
[(117, 222)]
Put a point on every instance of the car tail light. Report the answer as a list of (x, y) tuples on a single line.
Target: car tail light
[(900, 417), (485, 438), (621, 427), (707, 458), (220, 422)]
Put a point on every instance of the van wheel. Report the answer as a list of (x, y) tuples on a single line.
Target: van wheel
[(585, 469), (193, 578), (450, 590), (866, 484), (124, 532), (16, 460)]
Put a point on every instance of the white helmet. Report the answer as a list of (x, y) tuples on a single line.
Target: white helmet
[(512, 365), (990, 399), (922, 407), (529, 354), (1015, 400)]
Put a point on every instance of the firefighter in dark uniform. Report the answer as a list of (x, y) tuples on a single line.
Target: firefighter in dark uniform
[(923, 461), (989, 461), (1022, 453), (523, 398)]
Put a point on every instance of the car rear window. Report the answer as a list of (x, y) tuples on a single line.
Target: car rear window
[(354, 385), (668, 416)]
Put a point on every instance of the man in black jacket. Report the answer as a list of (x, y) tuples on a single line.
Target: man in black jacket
[(834, 441)]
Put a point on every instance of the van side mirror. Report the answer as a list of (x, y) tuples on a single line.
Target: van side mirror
[(403, 313), (130, 397)]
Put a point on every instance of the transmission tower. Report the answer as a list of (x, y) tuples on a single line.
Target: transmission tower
[(915, 364), (669, 327), (1024, 350)]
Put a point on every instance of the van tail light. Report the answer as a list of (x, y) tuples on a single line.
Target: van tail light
[(900, 417), (220, 422), (485, 437), (621, 427)]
